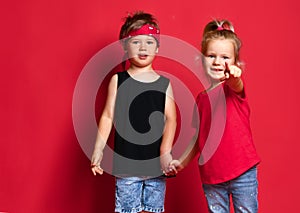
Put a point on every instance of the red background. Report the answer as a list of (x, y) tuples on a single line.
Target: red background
[(44, 47)]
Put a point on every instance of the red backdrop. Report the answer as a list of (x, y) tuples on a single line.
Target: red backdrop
[(46, 44)]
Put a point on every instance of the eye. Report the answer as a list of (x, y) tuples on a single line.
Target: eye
[(135, 42), (210, 56), (150, 42), (226, 57)]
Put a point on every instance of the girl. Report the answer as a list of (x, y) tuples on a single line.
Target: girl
[(227, 164)]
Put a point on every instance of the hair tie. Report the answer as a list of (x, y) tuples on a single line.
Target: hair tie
[(225, 27)]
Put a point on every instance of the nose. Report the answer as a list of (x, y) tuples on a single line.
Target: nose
[(217, 61), (143, 46)]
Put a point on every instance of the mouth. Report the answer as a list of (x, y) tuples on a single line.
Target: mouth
[(142, 56), (216, 73), (217, 70)]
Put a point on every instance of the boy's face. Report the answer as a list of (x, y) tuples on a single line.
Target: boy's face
[(219, 52), (141, 50)]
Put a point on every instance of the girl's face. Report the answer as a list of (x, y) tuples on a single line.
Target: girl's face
[(141, 50), (219, 52)]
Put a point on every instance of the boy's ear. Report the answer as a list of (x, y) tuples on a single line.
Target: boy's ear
[(124, 45)]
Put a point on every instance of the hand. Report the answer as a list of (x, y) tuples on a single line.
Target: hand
[(233, 78), (165, 164), (96, 169), (95, 162), (177, 165), (232, 71)]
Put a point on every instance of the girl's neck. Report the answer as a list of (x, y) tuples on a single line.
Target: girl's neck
[(213, 85)]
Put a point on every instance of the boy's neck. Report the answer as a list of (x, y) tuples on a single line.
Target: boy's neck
[(136, 70), (143, 74)]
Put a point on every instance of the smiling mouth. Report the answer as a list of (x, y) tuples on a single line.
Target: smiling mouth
[(217, 70)]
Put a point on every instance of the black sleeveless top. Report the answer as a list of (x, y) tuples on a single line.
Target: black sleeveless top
[(139, 124)]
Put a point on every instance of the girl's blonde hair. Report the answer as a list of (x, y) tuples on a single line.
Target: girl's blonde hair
[(221, 29)]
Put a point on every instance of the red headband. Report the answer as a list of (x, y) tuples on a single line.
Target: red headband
[(146, 29)]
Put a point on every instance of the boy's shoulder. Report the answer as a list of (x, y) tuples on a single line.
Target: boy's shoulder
[(164, 77), (121, 73)]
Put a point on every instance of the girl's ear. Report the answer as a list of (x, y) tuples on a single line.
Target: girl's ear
[(156, 51)]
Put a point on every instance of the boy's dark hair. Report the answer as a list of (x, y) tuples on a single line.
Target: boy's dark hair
[(136, 21)]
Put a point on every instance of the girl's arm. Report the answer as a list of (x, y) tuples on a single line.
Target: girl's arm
[(169, 130), (189, 154), (233, 74), (193, 148), (105, 126)]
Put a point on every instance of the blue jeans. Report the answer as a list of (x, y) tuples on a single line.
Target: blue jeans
[(243, 190), (135, 194)]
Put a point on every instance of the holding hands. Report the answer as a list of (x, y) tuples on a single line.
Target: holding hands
[(166, 168), (174, 166)]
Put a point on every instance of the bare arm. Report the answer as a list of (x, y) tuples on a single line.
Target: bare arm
[(192, 149), (233, 74), (105, 126), (189, 154), (169, 130)]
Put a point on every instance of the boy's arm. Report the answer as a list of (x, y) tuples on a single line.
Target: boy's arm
[(105, 126), (169, 130)]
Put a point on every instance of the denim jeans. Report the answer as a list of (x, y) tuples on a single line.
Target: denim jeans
[(243, 190), (134, 194)]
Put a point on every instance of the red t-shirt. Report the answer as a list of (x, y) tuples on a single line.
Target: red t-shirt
[(225, 139)]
